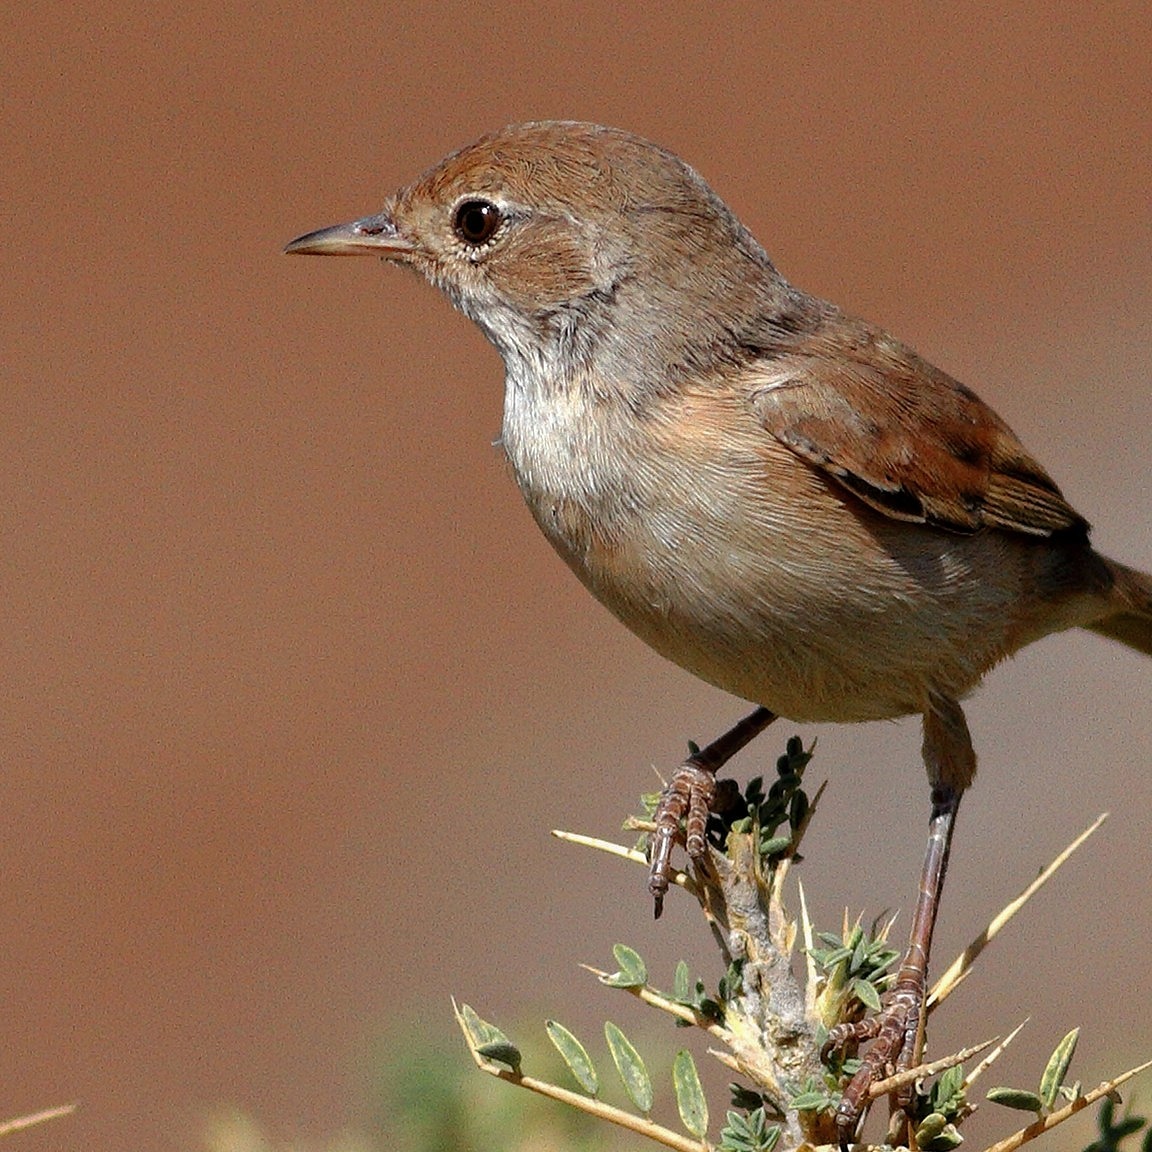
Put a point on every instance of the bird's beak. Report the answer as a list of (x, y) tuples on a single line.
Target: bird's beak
[(372, 236)]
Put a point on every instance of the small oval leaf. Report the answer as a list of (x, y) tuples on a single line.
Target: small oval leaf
[(774, 845), (859, 954), (866, 994), (690, 1100), (945, 1140), (951, 1083), (810, 1102), (575, 1055), (1016, 1098), (682, 984), (632, 973), (633, 1074), (1071, 1092), (744, 1097), (502, 1051), (798, 810), (480, 1032), (930, 1127), (1057, 1069)]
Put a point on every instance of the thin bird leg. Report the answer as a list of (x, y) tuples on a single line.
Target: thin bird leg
[(897, 1031), (688, 797)]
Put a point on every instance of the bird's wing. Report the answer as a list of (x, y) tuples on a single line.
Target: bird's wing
[(904, 437)]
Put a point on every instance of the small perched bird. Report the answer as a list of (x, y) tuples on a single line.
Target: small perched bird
[(780, 498)]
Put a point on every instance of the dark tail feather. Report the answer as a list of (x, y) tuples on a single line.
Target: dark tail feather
[(1131, 624)]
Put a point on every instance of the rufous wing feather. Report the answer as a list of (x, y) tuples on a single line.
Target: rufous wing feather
[(906, 438)]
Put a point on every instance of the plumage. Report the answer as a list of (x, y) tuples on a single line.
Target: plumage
[(783, 499)]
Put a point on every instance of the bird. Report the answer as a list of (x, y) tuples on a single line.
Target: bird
[(779, 497)]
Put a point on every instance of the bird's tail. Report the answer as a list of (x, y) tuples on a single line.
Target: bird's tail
[(1131, 623)]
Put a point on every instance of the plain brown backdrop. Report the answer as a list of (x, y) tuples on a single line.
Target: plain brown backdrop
[(291, 690)]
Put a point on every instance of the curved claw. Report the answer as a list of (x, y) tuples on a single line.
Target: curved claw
[(687, 797), (893, 1033), (844, 1034)]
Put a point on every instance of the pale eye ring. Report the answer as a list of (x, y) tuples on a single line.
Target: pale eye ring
[(476, 221)]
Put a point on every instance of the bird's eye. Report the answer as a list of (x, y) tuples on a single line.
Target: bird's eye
[(476, 221)]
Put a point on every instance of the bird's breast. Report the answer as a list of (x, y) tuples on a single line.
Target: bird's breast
[(736, 560)]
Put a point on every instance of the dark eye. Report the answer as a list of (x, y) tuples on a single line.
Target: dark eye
[(476, 221)]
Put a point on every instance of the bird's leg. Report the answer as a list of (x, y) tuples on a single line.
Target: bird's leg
[(897, 1031), (688, 797)]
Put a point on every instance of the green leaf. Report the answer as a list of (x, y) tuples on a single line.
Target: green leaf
[(690, 1100), (751, 1133), (1127, 1126), (833, 956), (633, 1073), (649, 802), (732, 982), (633, 973), (948, 1096), (682, 984), (810, 1102), (1057, 1069), (575, 1055), (859, 953), (710, 1009), (796, 753), (1070, 1092), (744, 1097), (1016, 1098), (866, 994), (947, 1140), (798, 809), (930, 1127), (480, 1032), (951, 1081), (503, 1051), (1112, 1132), (936, 1134), (774, 845)]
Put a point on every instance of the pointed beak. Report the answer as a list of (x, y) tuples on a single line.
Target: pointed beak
[(372, 236)]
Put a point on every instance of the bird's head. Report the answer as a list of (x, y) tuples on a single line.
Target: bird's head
[(569, 239)]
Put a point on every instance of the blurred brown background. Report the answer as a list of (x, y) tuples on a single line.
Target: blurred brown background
[(292, 689)]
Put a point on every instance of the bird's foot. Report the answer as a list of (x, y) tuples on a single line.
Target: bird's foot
[(893, 1032), (688, 797)]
